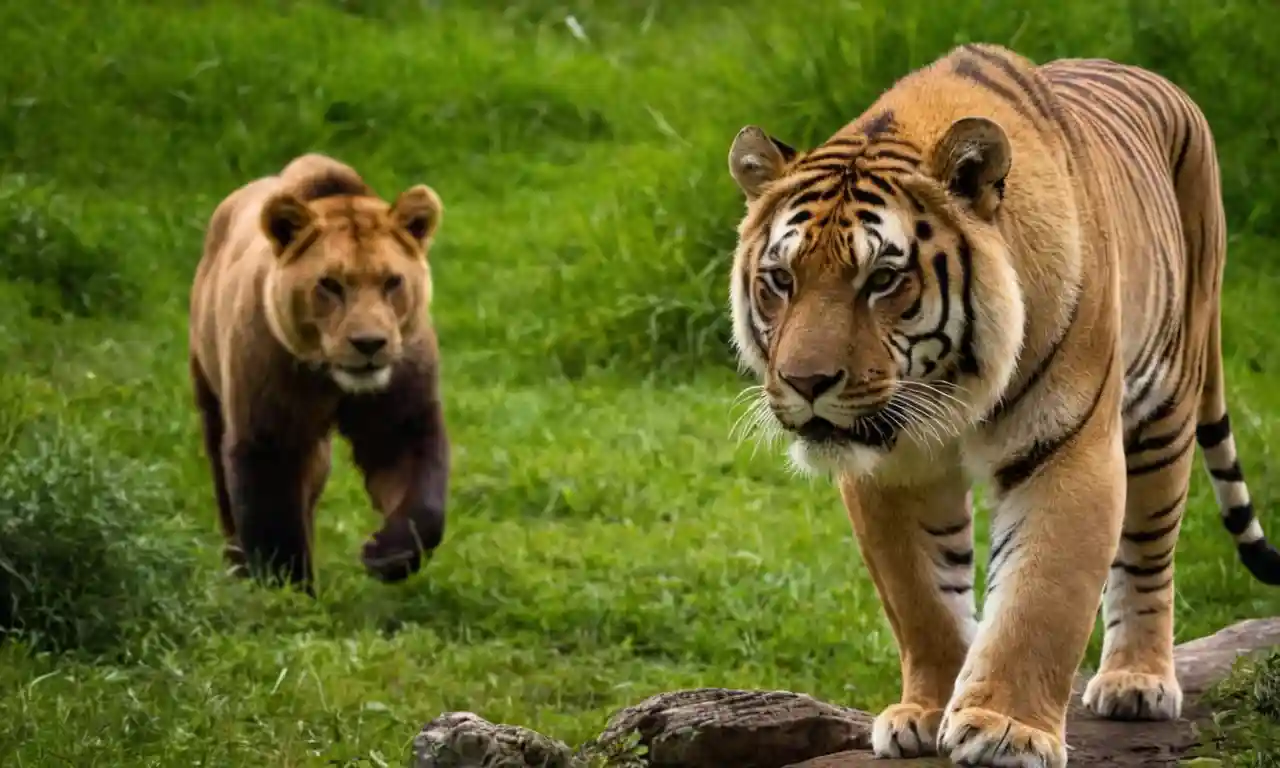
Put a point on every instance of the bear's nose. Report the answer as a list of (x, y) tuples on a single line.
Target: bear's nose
[(368, 345)]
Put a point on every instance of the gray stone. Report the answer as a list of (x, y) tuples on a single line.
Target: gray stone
[(466, 740)]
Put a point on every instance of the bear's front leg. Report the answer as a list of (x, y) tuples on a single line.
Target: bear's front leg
[(1054, 533), (917, 544), (398, 441), (268, 478)]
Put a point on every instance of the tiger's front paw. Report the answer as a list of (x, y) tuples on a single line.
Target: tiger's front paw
[(981, 737), (906, 730), (1121, 695)]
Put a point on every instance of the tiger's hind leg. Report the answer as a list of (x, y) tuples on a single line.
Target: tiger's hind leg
[(1136, 679)]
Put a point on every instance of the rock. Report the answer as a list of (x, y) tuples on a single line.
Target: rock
[(466, 740), (1203, 662), (716, 727), (748, 729)]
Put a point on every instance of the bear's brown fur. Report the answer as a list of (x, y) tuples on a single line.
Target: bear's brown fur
[(309, 311)]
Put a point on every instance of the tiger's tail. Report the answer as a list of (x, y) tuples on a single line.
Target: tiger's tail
[(1213, 433)]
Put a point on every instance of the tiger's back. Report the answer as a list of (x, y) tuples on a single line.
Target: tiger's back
[(1148, 156)]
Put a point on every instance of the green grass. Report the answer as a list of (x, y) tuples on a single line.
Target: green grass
[(607, 539)]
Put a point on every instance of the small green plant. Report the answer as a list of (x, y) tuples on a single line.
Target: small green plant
[(1245, 729), (623, 752)]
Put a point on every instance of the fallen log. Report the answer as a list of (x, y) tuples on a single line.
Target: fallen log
[(719, 727)]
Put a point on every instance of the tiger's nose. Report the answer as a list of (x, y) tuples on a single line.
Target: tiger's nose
[(812, 387), (368, 345)]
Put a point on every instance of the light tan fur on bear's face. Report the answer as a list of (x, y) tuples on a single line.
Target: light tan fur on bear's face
[(350, 279)]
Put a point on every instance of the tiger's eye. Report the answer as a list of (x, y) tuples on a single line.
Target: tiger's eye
[(881, 280), (781, 279)]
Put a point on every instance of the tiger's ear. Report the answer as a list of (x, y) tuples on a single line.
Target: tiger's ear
[(973, 159), (755, 159), (283, 217), (418, 210)]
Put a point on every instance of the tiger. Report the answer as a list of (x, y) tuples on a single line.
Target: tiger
[(1005, 273)]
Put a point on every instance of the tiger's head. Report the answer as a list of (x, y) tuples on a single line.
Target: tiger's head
[(872, 291)]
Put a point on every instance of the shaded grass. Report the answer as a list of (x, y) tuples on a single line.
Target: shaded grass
[(607, 539)]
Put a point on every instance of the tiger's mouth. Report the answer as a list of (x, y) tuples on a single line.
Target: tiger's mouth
[(874, 430)]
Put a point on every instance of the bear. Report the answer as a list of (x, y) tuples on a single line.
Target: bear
[(309, 313)]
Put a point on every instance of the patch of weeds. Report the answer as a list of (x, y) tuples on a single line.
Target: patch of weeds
[(1245, 729)]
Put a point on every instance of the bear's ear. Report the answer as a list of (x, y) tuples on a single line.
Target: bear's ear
[(418, 211), (283, 217), (972, 159), (756, 158)]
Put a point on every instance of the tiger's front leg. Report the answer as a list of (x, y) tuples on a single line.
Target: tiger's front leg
[(917, 543), (1054, 533)]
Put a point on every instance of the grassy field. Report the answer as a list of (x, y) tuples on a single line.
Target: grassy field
[(607, 537)]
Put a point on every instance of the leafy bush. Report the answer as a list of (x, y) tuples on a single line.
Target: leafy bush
[(82, 566)]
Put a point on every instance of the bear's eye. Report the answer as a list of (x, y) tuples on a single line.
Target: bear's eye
[(392, 283), (331, 286)]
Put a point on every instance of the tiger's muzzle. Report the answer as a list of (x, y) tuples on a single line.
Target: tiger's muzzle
[(821, 409)]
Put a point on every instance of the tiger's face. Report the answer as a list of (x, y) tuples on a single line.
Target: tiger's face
[(871, 292)]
